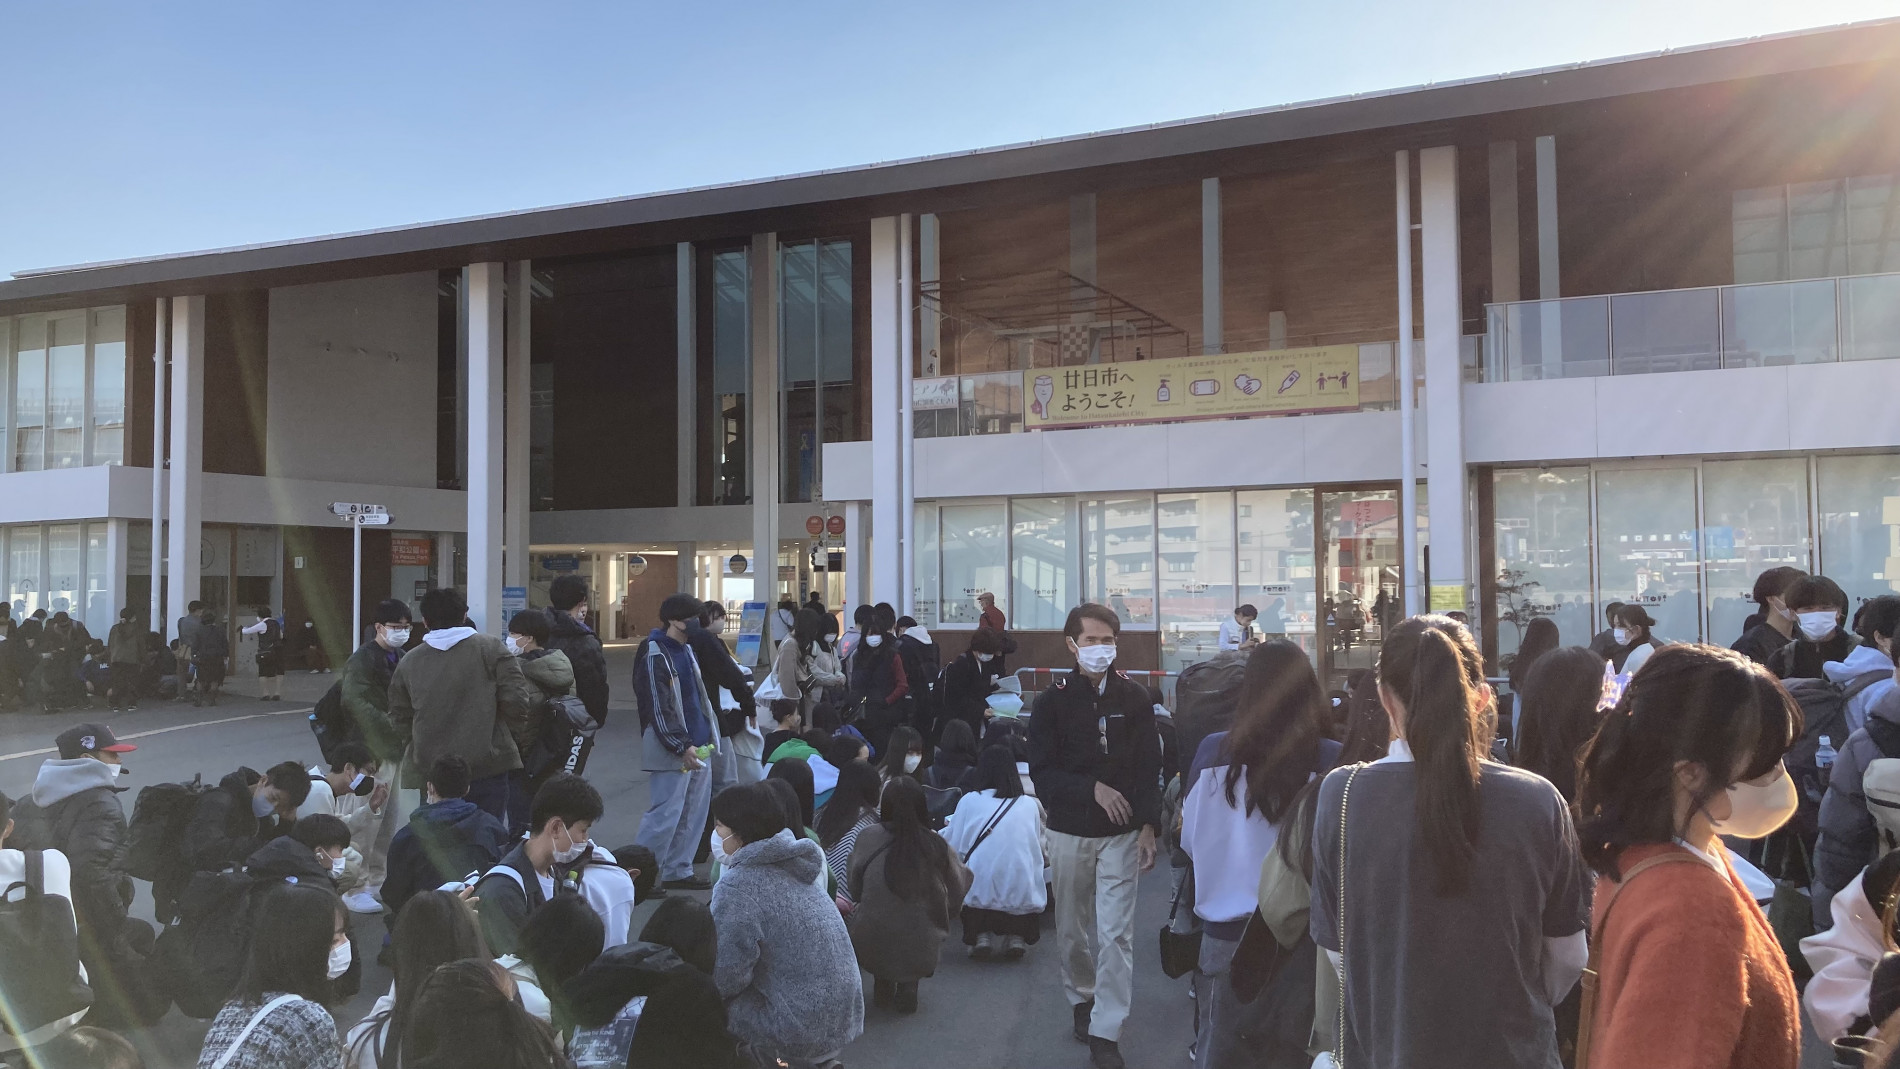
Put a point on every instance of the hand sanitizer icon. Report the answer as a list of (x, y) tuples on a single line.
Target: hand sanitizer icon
[(1162, 395)]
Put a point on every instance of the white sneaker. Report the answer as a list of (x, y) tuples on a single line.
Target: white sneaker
[(362, 902)]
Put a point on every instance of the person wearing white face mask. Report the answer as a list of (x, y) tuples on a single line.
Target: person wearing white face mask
[(968, 681), (1688, 971), (1632, 640), (1095, 756), (1819, 607), (363, 688), (880, 690), (1773, 626), (565, 810), (351, 791), (300, 946)]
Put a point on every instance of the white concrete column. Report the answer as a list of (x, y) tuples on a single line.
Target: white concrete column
[(762, 310), (689, 570), (520, 385), (161, 356), (907, 423), (186, 529), (1444, 387), (1503, 195), (686, 335), (1549, 286), (857, 557), (887, 430), (1212, 329), (484, 288)]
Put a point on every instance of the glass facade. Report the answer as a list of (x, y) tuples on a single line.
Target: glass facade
[(1042, 573), (974, 561), (1118, 552), (1275, 560), (1195, 550), (64, 380), (725, 347), (1686, 541), (816, 355)]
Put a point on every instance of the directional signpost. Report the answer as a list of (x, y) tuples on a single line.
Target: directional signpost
[(358, 516)]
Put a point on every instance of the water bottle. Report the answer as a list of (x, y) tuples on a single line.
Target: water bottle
[(1824, 759)]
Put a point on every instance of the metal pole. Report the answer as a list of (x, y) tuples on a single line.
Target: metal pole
[(161, 354), (907, 478), (356, 583), (1408, 443)]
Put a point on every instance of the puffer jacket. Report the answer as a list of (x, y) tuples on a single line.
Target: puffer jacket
[(785, 964), (628, 971), (551, 675), (1848, 838), (75, 809), (1865, 662), (582, 647)]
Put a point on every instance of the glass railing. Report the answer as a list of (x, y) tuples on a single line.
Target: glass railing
[(1812, 321), (992, 402)]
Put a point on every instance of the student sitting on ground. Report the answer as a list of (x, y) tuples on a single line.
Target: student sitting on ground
[(467, 1014), (447, 838), (434, 928), (277, 1016), (43, 998), (561, 937), (351, 791), (549, 860), (247, 810)]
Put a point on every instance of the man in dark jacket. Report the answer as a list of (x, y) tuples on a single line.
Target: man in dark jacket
[(75, 809), (208, 656), (569, 633), (1819, 606), (1095, 757), (364, 690), (446, 839), (720, 672), (247, 810), (967, 682), (546, 862), (125, 656)]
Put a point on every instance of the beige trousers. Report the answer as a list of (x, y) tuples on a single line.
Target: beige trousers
[(1095, 900)]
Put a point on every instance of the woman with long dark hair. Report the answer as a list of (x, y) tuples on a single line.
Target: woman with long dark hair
[(955, 763), (997, 832), (434, 927), (1688, 970), (801, 674), (466, 1014), (902, 755), (908, 885), (300, 944), (1455, 871), (1540, 637), (1557, 713), (878, 684), (1238, 791), (853, 808)]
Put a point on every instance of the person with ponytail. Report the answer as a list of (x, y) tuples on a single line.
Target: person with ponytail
[(1689, 973), (1460, 901)]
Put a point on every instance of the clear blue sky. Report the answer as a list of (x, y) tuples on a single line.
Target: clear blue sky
[(135, 129)]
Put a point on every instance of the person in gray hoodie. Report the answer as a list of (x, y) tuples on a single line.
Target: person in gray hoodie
[(460, 692), (784, 965)]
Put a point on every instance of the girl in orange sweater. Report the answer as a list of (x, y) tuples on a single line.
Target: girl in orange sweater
[(1689, 975)]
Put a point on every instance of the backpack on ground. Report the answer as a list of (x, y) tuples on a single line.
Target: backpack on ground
[(566, 729), (1823, 712), (155, 839), (1205, 697), (39, 957), (329, 722), (200, 954)]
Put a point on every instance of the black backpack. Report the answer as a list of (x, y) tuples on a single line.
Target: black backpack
[(1823, 712), (155, 839), (201, 953), (329, 722), (566, 728), (1205, 697), (39, 954)]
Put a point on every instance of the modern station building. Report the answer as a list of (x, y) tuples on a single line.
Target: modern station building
[(1652, 307)]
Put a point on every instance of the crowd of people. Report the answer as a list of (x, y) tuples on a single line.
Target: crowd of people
[(1590, 847)]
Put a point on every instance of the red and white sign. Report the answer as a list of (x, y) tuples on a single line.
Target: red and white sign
[(814, 525), (407, 551), (834, 526)]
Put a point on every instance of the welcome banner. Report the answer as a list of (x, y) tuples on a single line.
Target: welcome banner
[(1322, 379)]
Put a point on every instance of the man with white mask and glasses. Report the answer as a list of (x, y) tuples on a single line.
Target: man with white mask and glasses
[(1095, 757)]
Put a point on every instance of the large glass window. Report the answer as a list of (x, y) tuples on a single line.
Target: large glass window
[(1275, 556), (23, 571), (66, 392), (98, 610), (815, 349), (1646, 546), (65, 563), (1817, 229), (1196, 554), (1118, 553), (1042, 533), (725, 362), (974, 561), (1542, 546), (29, 395), (924, 598), (1860, 523), (108, 386), (1755, 517)]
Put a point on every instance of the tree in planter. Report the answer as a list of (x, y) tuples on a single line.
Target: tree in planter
[(1516, 596)]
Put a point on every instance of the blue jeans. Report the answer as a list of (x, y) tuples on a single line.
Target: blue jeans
[(675, 819), (490, 794)]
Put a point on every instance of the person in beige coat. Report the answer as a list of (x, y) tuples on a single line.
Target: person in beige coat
[(460, 692), (908, 885)]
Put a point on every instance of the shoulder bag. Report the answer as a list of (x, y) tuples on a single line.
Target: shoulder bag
[(1180, 951), (1586, 1020), (989, 826)]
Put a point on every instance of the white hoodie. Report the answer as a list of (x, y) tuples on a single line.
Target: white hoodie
[(443, 638), (1864, 659), (1843, 959)]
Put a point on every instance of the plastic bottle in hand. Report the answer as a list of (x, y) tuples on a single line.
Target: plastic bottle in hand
[(1824, 755)]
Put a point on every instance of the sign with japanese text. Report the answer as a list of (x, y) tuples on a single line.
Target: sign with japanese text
[(1323, 379), (930, 395), (409, 551)]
